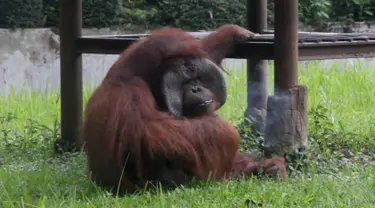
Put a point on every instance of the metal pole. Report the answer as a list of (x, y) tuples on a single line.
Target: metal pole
[(286, 44), (257, 69), (70, 72)]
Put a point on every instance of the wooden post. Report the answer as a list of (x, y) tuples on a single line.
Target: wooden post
[(256, 70), (70, 73), (286, 44), (286, 123)]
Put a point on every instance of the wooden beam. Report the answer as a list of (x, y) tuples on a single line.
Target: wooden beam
[(70, 74), (257, 94)]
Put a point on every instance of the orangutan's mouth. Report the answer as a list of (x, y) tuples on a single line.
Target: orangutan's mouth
[(207, 102)]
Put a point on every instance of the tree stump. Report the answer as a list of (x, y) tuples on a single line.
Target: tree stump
[(286, 122)]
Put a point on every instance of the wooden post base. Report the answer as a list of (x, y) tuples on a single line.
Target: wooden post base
[(286, 122), (257, 117), (62, 146)]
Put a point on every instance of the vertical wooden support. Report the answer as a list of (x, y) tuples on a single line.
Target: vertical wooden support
[(70, 74), (286, 44), (286, 123), (256, 69)]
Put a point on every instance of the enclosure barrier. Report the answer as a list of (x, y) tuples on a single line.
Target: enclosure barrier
[(282, 117)]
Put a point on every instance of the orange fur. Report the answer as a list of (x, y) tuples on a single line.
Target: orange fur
[(125, 131)]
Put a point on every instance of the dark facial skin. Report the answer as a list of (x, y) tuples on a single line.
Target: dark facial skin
[(197, 100), (192, 87)]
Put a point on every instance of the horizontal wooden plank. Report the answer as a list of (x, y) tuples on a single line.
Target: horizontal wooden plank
[(312, 46)]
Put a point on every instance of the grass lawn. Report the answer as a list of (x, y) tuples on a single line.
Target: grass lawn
[(339, 165)]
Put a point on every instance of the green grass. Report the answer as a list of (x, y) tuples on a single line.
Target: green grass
[(341, 161)]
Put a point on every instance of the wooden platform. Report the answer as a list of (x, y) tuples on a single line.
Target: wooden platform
[(312, 45)]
